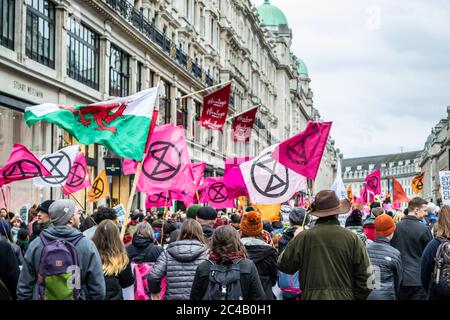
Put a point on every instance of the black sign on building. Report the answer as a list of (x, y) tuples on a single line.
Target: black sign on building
[(113, 167)]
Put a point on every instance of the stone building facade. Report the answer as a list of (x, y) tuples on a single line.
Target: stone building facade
[(83, 51)]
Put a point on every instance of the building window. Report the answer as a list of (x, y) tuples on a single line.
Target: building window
[(212, 32), (202, 24), (196, 131), (347, 169), (140, 66), (40, 32), (182, 112), (7, 23), (188, 9), (119, 72), (359, 168), (83, 54), (371, 166)]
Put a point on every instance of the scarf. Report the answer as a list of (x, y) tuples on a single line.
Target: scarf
[(225, 258)]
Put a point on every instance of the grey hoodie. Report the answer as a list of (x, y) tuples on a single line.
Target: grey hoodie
[(92, 280)]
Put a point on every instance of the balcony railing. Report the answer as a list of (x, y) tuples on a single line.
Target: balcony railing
[(135, 17)]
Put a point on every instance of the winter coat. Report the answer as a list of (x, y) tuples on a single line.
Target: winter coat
[(410, 238), (265, 258), (92, 280), (143, 250), (9, 271), (387, 261), (427, 264), (287, 236), (16, 249), (360, 232), (115, 284), (38, 228), (250, 284), (89, 233), (332, 262), (178, 263), (369, 227)]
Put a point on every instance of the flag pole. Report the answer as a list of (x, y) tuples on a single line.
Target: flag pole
[(138, 171), (205, 89)]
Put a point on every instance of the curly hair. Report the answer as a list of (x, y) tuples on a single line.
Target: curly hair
[(225, 240), (103, 213)]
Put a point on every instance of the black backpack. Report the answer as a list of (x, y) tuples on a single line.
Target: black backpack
[(441, 273), (224, 282)]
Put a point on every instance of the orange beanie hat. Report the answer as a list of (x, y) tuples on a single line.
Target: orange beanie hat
[(251, 224), (384, 225)]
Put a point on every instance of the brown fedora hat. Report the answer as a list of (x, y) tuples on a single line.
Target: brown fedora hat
[(326, 203)]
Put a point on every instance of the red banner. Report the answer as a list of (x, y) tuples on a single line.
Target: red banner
[(243, 124), (215, 108)]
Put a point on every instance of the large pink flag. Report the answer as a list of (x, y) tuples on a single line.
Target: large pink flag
[(167, 166), (303, 152), (373, 182), (78, 177), (198, 169), (233, 178), (158, 200), (22, 164), (214, 192)]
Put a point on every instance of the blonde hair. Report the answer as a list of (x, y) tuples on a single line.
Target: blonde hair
[(111, 249), (398, 216), (145, 230), (442, 226)]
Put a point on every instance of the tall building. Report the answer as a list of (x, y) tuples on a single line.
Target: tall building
[(79, 52), (401, 166)]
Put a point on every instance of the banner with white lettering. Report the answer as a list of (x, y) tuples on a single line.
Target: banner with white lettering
[(215, 108), (444, 177)]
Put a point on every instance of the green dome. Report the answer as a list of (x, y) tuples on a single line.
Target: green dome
[(271, 15), (302, 69)]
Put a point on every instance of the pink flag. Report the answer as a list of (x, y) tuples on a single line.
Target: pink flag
[(22, 164), (373, 182), (167, 166), (158, 200), (198, 169), (303, 152), (214, 192), (129, 166), (78, 177), (233, 178)]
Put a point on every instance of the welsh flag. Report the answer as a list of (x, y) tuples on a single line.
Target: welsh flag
[(121, 125)]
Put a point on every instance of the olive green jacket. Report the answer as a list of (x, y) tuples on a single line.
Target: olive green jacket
[(332, 261)]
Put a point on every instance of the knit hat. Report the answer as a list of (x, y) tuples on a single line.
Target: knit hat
[(354, 219), (207, 213), (61, 211), (44, 206), (192, 211), (251, 224), (384, 225), (297, 216)]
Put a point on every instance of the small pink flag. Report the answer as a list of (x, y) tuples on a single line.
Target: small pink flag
[(78, 177), (198, 169), (214, 192), (129, 166), (233, 178), (167, 166), (22, 164), (158, 200), (373, 182), (303, 152)]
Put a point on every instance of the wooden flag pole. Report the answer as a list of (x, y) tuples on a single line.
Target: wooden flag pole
[(202, 90), (137, 175)]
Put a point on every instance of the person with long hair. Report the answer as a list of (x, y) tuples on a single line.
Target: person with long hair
[(427, 262), (117, 271), (226, 249), (143, 248), (179, 262)]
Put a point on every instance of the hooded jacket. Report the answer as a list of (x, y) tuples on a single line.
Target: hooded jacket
[(388, 263), (287, 236), (143, 250), (9, 271), (92, 280), (369, 227), (178, 263), (332, 262), (265, 258)]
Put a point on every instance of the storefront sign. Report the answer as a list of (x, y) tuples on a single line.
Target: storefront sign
[(444, 177), (28, 89), (113, 167)]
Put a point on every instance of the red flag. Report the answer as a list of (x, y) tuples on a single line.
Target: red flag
[(78, 177), (303, 152), (399, 193), (214, 192), (243, 124), (215, 108), (22, 164), (373, 182)]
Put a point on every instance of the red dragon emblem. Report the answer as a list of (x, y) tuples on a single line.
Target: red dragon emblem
[(101, 114)]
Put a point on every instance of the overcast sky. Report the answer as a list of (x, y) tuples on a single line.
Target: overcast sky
[(380, 69)]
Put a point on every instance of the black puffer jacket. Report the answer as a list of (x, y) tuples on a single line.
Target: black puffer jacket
[(265, 258), (115, 284), (9, 272), (387, 261), (143, 250), (178, 263)]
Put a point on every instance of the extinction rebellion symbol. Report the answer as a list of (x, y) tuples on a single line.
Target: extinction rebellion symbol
[(218, 192), (266, 179), (54, 164), (17, 170), (76, 176), (168, 161)]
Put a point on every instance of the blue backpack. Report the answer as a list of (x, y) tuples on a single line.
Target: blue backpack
[(289, 285), (59, 275)]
